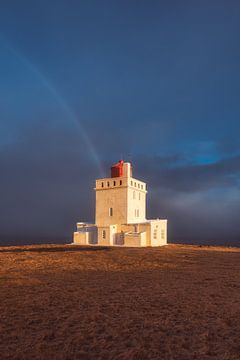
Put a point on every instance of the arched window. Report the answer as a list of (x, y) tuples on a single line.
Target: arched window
[(108, 184), (114, 183), (102, 184)]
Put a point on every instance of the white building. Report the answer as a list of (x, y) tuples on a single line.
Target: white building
[(120, 217)]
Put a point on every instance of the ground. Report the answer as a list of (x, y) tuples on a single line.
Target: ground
[(72, 302)]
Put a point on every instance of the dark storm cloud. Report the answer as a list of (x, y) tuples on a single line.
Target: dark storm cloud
[(173, 174), (200, 201), (46, 182)]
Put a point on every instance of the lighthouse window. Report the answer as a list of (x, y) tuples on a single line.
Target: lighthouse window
[(104, 234), (110, 211)]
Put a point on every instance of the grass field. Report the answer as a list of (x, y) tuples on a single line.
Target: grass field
[(71, 302)]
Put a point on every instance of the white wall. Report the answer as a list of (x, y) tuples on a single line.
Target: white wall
[(127, 198), (136, 205), (158, 232)]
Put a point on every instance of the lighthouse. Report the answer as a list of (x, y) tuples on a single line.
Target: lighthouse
[(120, 213)]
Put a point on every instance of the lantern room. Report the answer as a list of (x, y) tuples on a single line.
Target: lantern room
[(121, 169)]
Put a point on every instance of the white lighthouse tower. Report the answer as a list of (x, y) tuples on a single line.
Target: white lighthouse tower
[(120, 217)]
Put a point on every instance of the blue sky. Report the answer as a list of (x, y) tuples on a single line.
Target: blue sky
[(84, 83)]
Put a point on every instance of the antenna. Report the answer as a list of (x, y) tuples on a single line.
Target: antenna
[(129, 155)]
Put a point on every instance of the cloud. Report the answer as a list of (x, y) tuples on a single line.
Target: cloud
[(48, 178), (175, 173), (200, 201)]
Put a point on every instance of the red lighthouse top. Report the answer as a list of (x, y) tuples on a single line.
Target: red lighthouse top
[(117, 169)]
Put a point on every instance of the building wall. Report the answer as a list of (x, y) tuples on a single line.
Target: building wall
[(79, 238), (150, 233), (111, 206), (155, 230), (120, 200), (87, 233), (164, 234), (135, 239), (103, 235), (158, 232), (136, 199), (147, 228)]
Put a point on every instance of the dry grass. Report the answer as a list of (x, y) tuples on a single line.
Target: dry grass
[(70, 302)]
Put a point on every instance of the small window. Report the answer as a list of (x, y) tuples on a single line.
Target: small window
[(104, 234), (114, 183), (120, 182), (134, 194), (110, 211), (108, 184), (135, 184), (141, 186), (138, 185), (155, 234), (102, 184), (162, 234), (131, 183)]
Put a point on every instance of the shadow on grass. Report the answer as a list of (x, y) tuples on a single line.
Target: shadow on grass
[(71, 248)]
